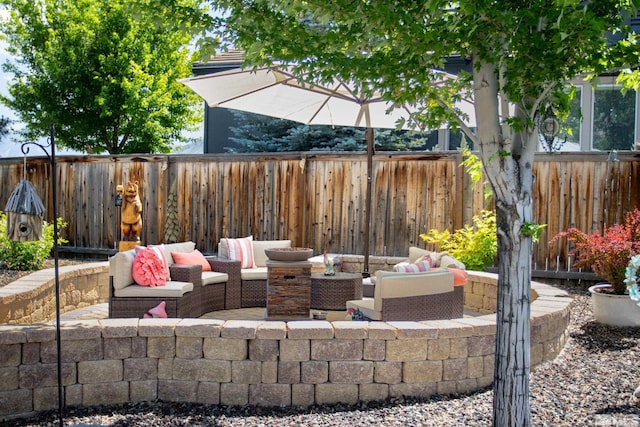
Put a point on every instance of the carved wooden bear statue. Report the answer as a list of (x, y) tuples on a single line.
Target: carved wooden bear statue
[(131, 223)]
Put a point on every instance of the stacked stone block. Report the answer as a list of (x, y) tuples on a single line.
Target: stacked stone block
[(264, 363)]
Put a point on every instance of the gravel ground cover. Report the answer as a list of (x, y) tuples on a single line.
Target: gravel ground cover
[(591, 382)]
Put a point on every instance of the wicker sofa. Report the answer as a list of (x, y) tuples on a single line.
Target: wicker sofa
[(354, 264), (251, 291), (427, 295), (190, 292)]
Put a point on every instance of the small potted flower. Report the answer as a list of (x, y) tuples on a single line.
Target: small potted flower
[(608, 255)]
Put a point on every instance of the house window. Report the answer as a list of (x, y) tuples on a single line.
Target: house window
[(572, 126), (456, 139), (614, 118)]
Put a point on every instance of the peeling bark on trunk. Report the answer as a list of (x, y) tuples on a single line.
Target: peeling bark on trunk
[(512, 364), (508, 161)]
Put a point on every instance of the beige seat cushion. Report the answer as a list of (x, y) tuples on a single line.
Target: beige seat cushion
[(257, 273), (210, 277), (171, 290)]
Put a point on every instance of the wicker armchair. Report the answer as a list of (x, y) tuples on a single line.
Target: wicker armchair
[(190, 292), (413, 296), (178, 294)]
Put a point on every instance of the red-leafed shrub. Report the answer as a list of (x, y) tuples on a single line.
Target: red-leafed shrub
[(608, 253)]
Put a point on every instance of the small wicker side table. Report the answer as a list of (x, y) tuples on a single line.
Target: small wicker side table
[(333, 292)]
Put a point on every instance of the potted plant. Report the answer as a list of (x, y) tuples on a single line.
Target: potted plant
[(608, 255)]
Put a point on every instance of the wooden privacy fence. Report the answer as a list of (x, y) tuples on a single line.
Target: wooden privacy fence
[(318, 199)]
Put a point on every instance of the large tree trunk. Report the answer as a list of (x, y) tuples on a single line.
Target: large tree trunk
[(507, 160)]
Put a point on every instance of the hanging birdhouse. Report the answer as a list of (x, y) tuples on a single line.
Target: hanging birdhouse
[(25, 213)]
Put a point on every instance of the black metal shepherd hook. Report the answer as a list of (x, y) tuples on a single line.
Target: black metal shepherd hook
[(54, 198)]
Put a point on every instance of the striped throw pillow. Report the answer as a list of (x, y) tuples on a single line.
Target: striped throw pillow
[(242, 250), (416, 267)]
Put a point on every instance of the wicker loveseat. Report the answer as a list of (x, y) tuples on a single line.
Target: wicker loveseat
[(190, 292), (353, 263), (251, 291), (427, 295)]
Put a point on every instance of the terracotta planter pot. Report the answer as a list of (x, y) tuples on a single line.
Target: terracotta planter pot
[(613, 310)]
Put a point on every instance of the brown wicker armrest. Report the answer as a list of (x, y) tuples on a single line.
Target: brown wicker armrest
[(192, 274), (224, 265), (186, 273), (233, 292)]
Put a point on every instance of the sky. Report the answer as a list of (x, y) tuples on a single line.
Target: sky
[(9, 147)]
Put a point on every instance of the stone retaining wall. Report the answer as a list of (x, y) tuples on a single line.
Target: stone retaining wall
[(481, 293), (265, 363), (31, 298), (355, 263)]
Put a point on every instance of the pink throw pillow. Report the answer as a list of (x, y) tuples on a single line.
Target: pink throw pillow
[(242, 250), (156, 312), (191, 258), (150, 267)]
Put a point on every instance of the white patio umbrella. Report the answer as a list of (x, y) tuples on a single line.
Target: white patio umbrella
[(276, 92)]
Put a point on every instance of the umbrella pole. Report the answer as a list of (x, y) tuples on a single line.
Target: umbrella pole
[(367, 216)]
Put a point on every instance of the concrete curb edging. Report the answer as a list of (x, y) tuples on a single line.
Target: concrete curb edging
[(265, 363)]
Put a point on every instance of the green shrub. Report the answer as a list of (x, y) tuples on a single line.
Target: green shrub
[(476, 246), (27, 256)]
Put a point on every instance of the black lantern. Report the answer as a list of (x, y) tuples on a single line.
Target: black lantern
[(549, 128)]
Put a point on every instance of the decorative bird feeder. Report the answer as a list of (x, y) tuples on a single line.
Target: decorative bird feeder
[(25, 213)]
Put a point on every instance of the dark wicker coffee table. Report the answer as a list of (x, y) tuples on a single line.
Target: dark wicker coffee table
[(333, 292)]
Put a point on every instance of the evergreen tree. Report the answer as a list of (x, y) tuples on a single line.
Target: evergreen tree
[(5, 126), (258, 133)]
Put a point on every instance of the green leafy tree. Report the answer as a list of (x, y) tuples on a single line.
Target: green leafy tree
[(258, 133), (522, 55), (104, 72)]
